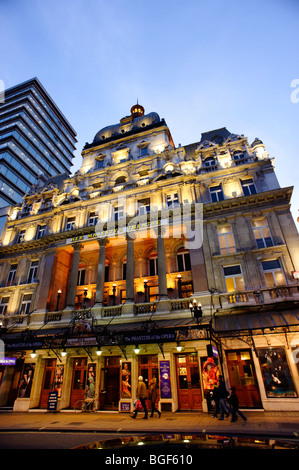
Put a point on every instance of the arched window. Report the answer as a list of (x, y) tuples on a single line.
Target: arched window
[(120, 180), (210, 161), (183, 260)]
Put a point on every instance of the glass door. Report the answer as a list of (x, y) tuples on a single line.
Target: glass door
[(48, 382), (79, 380), (148, 368)]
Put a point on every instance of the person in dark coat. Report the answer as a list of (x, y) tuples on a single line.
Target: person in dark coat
[(215, 398), (141, 394), (223, 394), (153, 395), (234, 404)]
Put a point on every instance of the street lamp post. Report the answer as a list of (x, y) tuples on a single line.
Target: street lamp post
[(58, 299), (113, 294), (195, 310), (145, 290), (179, 278)]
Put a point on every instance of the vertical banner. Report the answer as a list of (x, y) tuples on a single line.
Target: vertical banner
[(165, 387)]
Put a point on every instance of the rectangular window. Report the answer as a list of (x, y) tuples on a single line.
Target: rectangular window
[(216, 193), (93, 219), (81, 277), (273, 273), (233, 278), (21, 236), (183, 260), (118, 213), (248, 187), (124, 271), (153, 265), (32, 275), (144, 206), (40, 232), (70, 223), (172, 200), (226, 239), (11, 275), (25, 304), (3, 305), (99, 164), (261, 233), (107, 273)]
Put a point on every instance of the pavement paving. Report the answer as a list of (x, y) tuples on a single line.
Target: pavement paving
[(261, 423)]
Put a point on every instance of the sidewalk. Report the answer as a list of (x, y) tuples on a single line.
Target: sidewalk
[(262, 423)]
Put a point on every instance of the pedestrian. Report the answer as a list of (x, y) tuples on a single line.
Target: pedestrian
[(153, 396), (223, 395), (215, 398), (141, 394), (234, 403)]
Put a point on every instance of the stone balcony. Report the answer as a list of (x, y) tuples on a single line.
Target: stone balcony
[(171, 307)]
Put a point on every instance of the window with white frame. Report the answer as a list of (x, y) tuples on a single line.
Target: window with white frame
[(144, 206), (273, 273), (25, 304), (40, 232), (32, 274), (226, 239), (233, 278), (11, 275), (183, 260), (118, 213), (172, 200), (153, 264), (248, 187), (21, 236), (261, 233), (81, 277), (70, 223), (210, 163), (3, 305), (216, 193), (92, 219)]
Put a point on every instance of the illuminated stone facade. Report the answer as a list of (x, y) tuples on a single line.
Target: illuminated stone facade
[(111, 259)]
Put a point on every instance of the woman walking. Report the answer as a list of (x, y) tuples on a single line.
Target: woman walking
[(153, 395), (141, 394)]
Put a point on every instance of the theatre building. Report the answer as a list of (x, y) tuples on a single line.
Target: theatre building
[(174, 262)]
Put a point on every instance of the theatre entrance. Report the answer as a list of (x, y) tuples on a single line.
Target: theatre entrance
[(110, 383), (78, 380), (189, 391)]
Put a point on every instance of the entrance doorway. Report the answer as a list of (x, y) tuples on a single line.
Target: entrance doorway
[(148, 369), (9, 383), (48, 382), (189, 391), (110, 383), (242, 377), (78, 380)]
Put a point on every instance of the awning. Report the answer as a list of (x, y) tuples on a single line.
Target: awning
[(256, 321)]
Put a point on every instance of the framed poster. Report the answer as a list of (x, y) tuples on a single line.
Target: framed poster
[(90, 381), (126, 384), (26, 381), (276, 374), (165, 386)]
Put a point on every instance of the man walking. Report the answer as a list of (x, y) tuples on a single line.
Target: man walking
[(141, 394)]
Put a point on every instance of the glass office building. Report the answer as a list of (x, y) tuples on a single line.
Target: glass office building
[(36, 140)]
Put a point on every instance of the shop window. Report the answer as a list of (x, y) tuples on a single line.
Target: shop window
[(233, 278), (261, 233), (226, 239), (216, 193), (32, 275), (183, 260), (11, 275), (248, 187), (273, 273)]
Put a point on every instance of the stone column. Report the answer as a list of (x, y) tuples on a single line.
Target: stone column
[(130, 269), (71, 295), (101, 272), (161, 264)]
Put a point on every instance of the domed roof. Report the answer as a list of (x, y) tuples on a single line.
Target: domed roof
[(135, 122)]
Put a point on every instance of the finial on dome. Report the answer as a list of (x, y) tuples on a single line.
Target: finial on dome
[(137, 110)]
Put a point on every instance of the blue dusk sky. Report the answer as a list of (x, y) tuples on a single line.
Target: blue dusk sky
[(200, 64)]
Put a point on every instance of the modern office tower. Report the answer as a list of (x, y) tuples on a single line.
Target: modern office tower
[(36, 140), (174, 263)]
